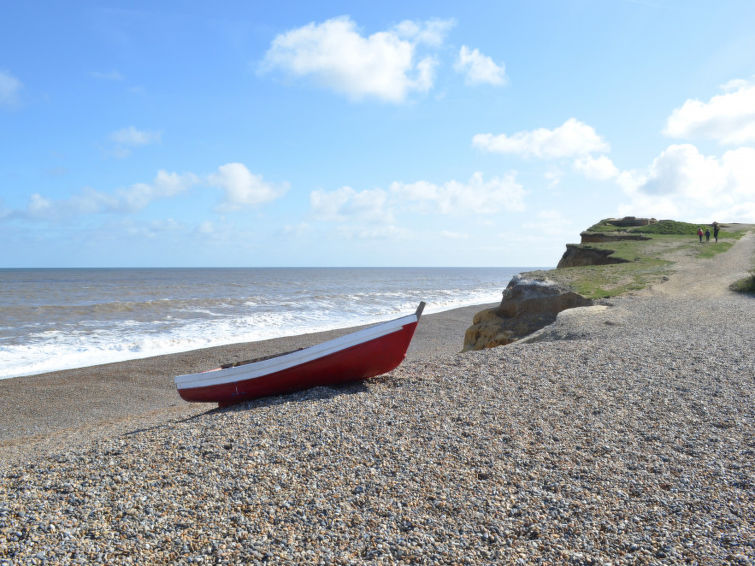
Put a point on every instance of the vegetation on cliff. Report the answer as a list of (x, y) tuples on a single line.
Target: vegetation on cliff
[(647, 261), (668, 227)]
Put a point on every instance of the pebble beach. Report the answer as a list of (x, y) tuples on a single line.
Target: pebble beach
[(622, 434)]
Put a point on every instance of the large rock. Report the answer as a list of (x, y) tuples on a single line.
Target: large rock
[(578, 255), (528, 305)]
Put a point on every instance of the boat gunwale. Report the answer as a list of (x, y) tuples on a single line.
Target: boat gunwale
[(277, 363)]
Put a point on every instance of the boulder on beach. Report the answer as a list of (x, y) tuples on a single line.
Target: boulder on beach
[(528, 305)]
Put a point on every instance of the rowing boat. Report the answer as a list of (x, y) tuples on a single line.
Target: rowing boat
[(356, 356)]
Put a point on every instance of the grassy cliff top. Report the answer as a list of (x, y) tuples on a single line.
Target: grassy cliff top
[(648, 261), (668, 227)]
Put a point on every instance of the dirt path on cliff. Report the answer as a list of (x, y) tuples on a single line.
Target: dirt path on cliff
[(709, 277)]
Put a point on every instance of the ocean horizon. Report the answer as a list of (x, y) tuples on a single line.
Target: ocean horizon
[(62, 318)]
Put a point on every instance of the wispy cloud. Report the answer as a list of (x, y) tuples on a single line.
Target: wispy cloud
[(346, 203), (380, 208), (89, 201), (552, 223), (479, 68), (127, 139), (108, 76), (477, 196), (335, 55), (132, 137), (451, 235), (241, 189), (10, 87)]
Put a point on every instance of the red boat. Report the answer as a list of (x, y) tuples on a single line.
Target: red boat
[(362, 354)]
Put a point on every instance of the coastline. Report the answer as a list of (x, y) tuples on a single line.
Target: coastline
[(622, 434), (43, 413)]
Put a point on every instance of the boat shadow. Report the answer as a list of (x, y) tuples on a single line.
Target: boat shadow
[(313, 394)]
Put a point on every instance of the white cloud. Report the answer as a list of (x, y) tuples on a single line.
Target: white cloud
[(432, 32), (206, 228), (374, 232), (728, 118), (454, 235), (347, 204), (132, 137), (40, 206), (477, 196), (683, 183), (553, 176), (128, 138), (334, 54), (479, 68), (600, 168), (127, 200), (165, 185), (552, 223), (244, 188), (372, 213), (152, 229), (241, 187), (9, 89), (109, 76), (572, 139)]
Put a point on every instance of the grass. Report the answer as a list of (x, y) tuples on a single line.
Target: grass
[(712, 248), (649, 261), (746, 285), (602, 281), (662, 227)]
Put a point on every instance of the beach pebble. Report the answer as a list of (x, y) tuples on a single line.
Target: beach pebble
[(631, 443)]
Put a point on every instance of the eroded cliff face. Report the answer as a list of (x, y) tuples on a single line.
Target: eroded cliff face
[(593, 237), (578, 255), (527, 305), (531, 304)]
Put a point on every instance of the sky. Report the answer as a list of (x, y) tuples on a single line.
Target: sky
[(252, 134)]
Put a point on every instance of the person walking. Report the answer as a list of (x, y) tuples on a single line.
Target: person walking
[(707, 234), (716, 227), (700, 234)]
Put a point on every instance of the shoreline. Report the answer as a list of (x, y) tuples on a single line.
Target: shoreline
[(622, 435), (46, 412)]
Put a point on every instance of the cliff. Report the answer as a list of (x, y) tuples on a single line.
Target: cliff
[(614, 256)]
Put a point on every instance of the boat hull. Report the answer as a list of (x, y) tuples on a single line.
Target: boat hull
[(343, 362)]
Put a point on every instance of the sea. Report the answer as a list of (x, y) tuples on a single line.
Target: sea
[(54, 319)]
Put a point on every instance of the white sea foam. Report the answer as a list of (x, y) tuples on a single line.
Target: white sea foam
[(83, 336)]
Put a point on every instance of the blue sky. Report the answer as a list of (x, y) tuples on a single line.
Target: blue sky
[(364, 133)]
